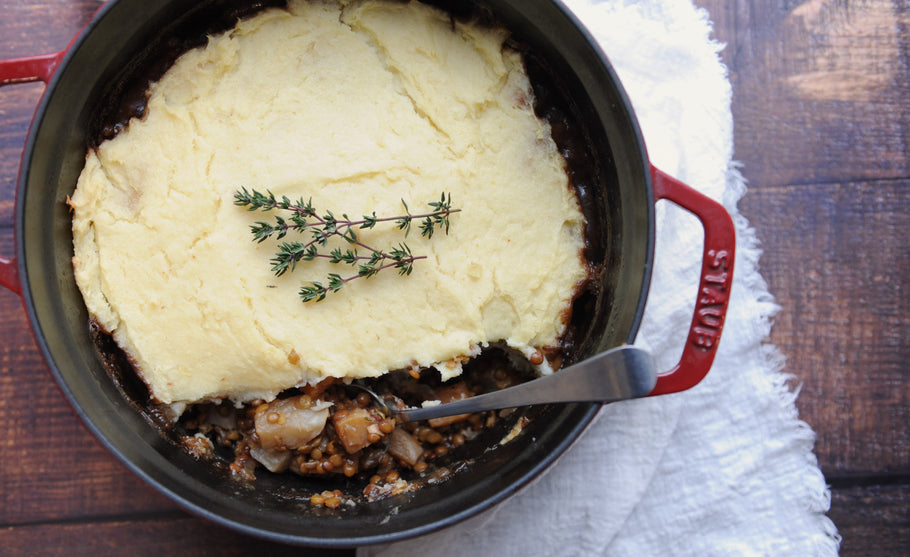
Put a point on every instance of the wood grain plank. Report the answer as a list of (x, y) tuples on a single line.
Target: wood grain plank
[(836, 258), (873, 520), (820, 88), (29, 27), (17, 106), (153, 536)]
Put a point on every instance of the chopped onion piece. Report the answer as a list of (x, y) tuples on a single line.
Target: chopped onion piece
[(291, 422), (275, 461), (404, 447)]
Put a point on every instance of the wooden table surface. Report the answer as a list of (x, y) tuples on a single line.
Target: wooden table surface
[(822, 127)]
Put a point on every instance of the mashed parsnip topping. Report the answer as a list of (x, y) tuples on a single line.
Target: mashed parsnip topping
[(357, 106)]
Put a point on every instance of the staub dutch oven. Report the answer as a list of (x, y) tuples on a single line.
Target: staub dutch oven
[(617, 185)]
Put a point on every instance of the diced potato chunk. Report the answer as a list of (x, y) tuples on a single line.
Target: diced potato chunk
[(290, 423), (357, 428)]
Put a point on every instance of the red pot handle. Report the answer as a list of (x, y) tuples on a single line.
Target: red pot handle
[(29, 68), (9, 277), (713, 285), (22, 70)]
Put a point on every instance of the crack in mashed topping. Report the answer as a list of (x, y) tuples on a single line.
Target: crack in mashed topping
[(357, 106)]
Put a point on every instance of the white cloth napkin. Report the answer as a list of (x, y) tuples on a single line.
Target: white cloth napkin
[(726, 468)]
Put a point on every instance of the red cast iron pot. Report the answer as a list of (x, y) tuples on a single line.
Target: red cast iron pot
[(617, 186)]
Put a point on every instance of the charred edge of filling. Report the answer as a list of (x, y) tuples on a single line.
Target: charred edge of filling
[(553, 103), (126, 377), (127, 97)]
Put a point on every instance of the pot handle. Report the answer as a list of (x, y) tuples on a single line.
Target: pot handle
[(713, 285), (29, 68), (9, 276), (22, 70)]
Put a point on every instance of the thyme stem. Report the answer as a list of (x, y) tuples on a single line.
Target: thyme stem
[(304, 218)]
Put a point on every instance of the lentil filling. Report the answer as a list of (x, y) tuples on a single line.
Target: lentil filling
[(358, 440)]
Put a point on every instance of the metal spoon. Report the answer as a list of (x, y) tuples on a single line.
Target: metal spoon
[(618, 374)]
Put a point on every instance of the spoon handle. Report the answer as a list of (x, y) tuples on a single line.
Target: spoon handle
[(618, 374)]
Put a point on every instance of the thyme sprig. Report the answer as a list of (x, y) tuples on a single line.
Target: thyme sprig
[(304, 219)]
